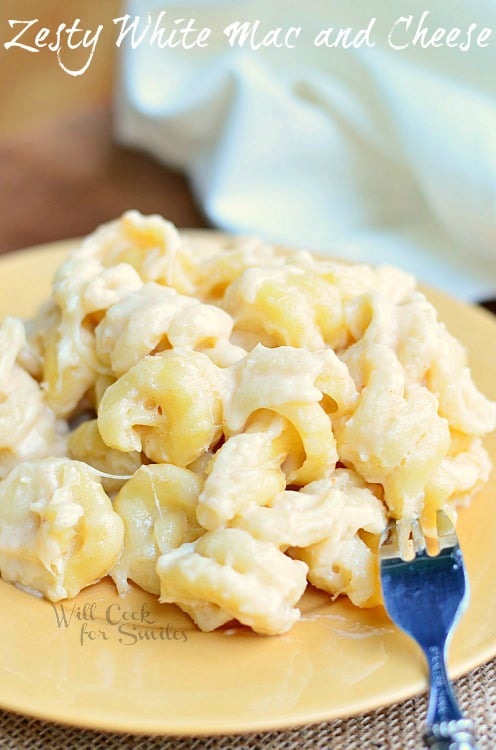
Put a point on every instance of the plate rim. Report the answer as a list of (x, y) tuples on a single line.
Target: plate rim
[(157, 727)]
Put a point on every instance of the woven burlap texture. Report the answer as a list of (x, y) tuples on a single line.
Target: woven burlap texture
[(396, 728)]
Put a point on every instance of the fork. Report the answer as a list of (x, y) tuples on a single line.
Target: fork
[(425, 596)]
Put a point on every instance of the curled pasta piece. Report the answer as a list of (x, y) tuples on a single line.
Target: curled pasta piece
[(246, 470), (417, 337), (353, 280), (343, 562), (255, 384), (270, 378), (207, 329), (409, 439), (28, 427), (240, 577), (82, 291), (58, 531), (137, 326), (464, 406), (67, 374), (158, 509), (222, 265), (150, 244), (102, 382), (155, 318), (309, 389), (314, 428), (32, 354), (459, 475), (287, 306), (407, 325), (168, 405), (85, 444), (307, 516)]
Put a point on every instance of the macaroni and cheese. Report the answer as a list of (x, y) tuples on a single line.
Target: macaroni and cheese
[(223, 423)]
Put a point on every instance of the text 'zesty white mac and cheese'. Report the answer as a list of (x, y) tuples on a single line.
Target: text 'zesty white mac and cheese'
[(221, 425)]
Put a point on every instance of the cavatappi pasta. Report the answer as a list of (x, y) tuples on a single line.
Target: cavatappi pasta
[(222, 423)]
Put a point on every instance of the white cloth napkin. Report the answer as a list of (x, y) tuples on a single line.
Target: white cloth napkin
[(372, 154)]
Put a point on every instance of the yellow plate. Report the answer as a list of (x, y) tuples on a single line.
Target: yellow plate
[(131, 665)]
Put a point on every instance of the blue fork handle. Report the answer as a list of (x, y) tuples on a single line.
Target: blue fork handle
[(446, 728)]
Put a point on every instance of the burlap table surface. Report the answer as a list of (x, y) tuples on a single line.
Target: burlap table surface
[(398, 727)]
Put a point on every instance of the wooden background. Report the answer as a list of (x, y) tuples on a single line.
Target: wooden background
[(61, 174)]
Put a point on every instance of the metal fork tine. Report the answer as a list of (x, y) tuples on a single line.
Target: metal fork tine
[(418, 536), (446, 531), (390, 548)]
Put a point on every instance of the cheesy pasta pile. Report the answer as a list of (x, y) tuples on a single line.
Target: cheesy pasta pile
[(222, 422)]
